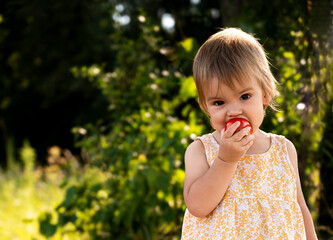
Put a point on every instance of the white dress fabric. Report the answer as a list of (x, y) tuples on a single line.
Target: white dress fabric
[(260, 202)]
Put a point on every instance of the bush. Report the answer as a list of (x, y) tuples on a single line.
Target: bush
[(133, 186)]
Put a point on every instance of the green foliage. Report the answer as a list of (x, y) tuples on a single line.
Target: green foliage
[(85, 61), (306, 94), (133, 188), (45, 227), (153, 114)]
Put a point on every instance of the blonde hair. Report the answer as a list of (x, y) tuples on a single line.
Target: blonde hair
[(232, 55)]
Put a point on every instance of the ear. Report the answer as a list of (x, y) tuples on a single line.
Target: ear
[(266, 99)]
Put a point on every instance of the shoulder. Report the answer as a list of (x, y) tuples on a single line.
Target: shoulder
[(292, 153), (287, 146), (196, 154), (195, 162), (199, 144), (195, 148), (285, 141), (290, 147)]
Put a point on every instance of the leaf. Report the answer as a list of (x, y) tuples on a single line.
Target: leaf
[(70, 196), (45, 227), (188, 88), (289, 55), (187, 44)]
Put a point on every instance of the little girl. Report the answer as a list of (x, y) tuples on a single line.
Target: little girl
[(240, 185)]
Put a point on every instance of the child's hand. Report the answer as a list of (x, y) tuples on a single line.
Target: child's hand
[(233, 145)]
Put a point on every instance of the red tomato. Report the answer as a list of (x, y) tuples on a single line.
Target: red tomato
[(244, 123)]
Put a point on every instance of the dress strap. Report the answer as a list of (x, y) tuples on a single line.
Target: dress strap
[(281, 146), (211, 147)]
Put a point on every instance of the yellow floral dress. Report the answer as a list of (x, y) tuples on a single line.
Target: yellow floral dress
[(260, 202)]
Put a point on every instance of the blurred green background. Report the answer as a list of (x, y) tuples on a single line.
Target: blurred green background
[(98, 104)]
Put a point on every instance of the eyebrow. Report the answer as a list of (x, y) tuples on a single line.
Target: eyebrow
[(245, 90), (212, 98), (240, 92)]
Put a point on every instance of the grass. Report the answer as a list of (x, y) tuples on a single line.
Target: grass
[(24, 195), (27, 191)]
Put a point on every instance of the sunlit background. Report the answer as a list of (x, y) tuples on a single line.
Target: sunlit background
[(98, 104)]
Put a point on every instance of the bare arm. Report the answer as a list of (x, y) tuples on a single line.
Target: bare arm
[(309, 226), (205, 186)]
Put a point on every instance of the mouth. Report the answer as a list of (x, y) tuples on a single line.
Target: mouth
[(243, 124)]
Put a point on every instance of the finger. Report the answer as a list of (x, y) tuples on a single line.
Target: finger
[(232, 129), (242, 133), (247, 139), (248, 145)]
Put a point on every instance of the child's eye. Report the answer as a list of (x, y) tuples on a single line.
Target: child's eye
[(218, 103), (245, 96)]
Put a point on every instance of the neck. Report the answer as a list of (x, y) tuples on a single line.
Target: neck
[(261, 144)]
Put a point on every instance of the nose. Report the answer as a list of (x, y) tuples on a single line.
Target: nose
[(234, 110)]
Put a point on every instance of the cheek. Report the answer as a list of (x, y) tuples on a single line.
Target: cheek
[(257, 118), (216, 120)]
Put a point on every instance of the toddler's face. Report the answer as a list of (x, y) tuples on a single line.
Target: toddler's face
[(245, 100)]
